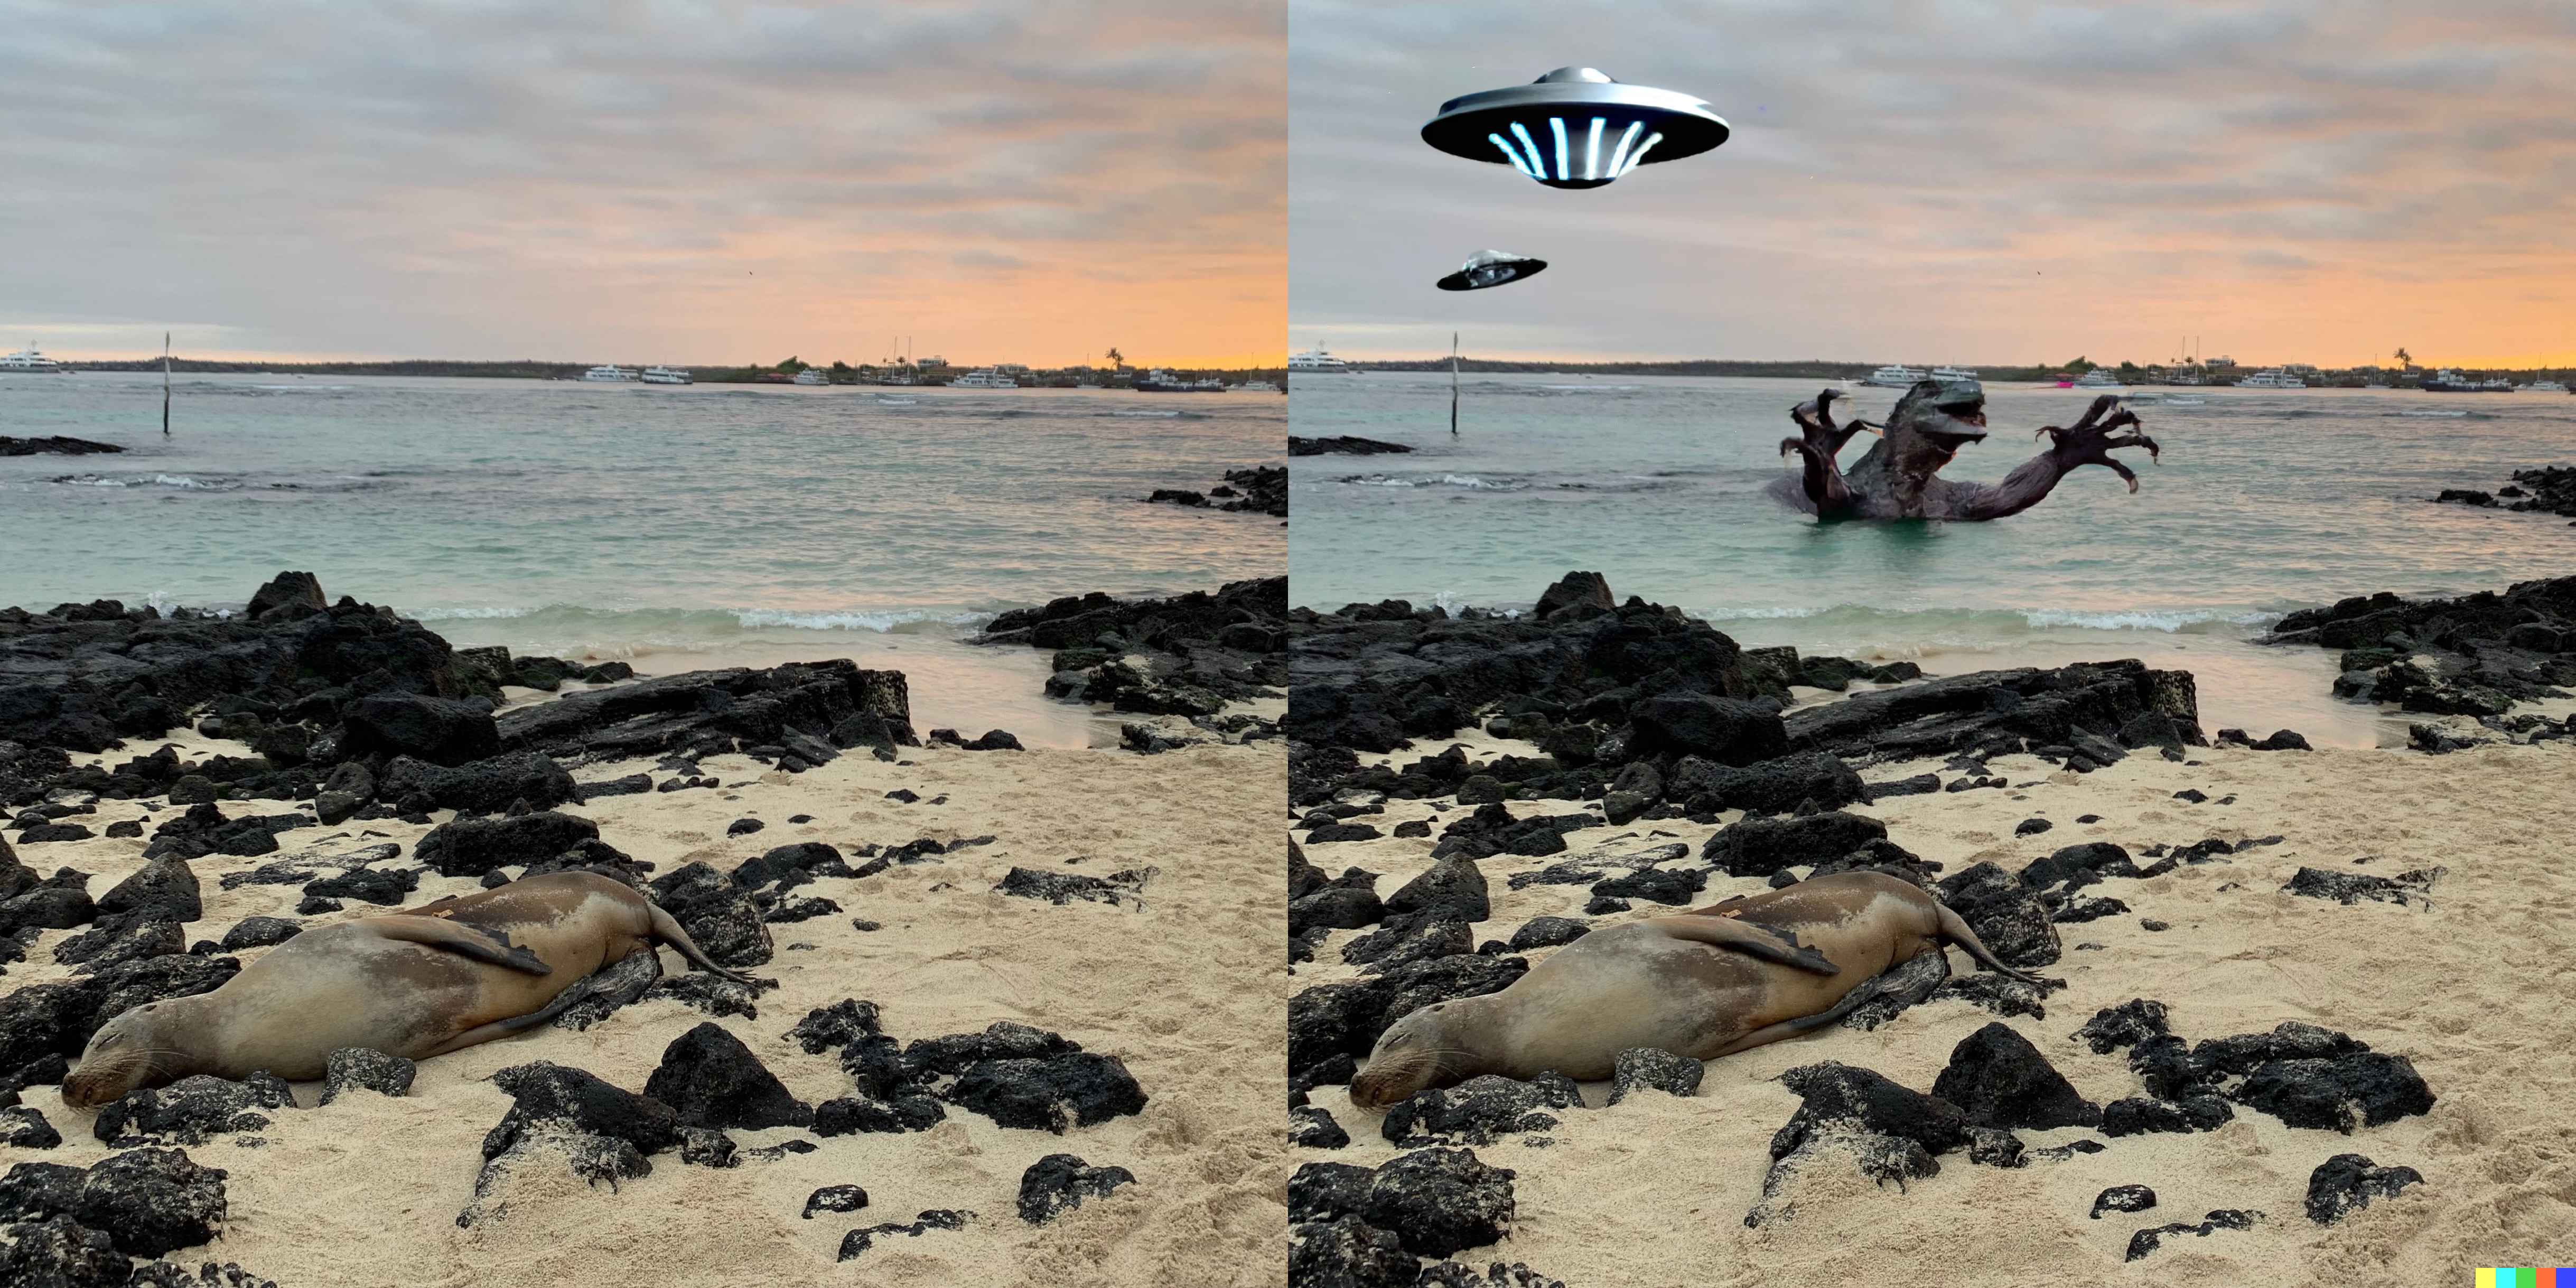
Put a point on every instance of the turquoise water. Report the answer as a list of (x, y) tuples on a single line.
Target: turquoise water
[(2265, 501), (673, 526)]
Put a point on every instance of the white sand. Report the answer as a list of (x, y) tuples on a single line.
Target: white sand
[(1654, 1191), (1187, 991)]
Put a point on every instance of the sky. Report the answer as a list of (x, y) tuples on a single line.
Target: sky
[(648, 181), (1960, 181)]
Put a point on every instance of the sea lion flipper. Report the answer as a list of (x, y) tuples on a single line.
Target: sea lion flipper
[(1770, 945), (1955, 929), (464, 939)]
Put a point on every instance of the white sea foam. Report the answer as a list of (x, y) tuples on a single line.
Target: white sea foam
[(881, 622), (2167, 621)]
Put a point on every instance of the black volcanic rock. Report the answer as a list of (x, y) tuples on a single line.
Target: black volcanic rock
[(709, 712), (2346, 1183), (2001, 1080), (713, 1080)]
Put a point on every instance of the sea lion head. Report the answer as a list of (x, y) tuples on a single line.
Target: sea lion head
[(132, 1051), (1427, 1048)]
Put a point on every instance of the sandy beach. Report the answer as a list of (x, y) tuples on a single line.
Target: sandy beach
[(1656, 1189), (1171, 981)]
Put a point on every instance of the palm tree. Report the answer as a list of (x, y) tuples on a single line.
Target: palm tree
[(2404, 359), (1116, 359)]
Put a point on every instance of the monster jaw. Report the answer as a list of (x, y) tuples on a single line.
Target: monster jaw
[(1953, 430)]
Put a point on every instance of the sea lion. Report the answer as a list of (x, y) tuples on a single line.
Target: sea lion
[(416, 983), (1705, 983)]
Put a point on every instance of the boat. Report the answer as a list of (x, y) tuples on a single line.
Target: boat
[(1316, 360), (1162, 381), (2099, 378), (2272, 379), (986, 378), (1893, 376), (2449, 381), (813, 376), (2544, 387), (1946, 374), (608, 373), (1257, 387), (660, 375), (29, 359)]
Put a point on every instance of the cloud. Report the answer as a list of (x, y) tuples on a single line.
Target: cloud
[(1981, 181), (572, 177)]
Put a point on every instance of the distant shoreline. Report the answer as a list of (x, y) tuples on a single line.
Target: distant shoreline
[(1823, 369), (535, 369)]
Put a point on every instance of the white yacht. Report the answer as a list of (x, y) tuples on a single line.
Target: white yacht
[(2273, 379), (1265, 387), (1945, 374), (813, 376), (2099, 378), (2544, 387), (608, 373), (986, 378), (1316, 360), (659, 375), (1893, 376), (28, 359)]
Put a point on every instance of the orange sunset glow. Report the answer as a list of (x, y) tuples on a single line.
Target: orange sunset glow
[(726, 184), (2022, 183)]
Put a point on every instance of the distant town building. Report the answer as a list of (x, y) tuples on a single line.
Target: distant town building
[(1011, 368), (2301, 368), (934, 360), (2222, 361)]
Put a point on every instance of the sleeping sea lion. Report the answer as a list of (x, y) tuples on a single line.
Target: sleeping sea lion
[(416, 983), (1706, 983)]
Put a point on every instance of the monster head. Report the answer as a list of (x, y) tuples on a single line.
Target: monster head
[(1933, 421)]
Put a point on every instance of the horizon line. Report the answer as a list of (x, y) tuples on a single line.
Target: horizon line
[(1222, 362)]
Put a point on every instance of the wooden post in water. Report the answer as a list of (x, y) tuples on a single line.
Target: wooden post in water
[(1454, 385), (165, 384)]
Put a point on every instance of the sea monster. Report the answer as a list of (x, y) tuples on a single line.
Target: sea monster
[(1899, 477)]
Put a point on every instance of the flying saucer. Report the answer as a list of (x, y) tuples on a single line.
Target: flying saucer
[(1575, 128), (1488, 268)]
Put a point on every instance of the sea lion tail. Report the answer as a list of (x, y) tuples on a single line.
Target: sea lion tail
[(667, 930), (1955, 930)]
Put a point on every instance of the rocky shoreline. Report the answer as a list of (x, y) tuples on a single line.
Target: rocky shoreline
[(1180, 662), (1520, 780), (304, 761), (1342, 445), (54, 445), (1262, 489), (2467, 661), (2551, 489)]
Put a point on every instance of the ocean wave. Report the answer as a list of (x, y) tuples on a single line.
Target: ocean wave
[(1969, 624), (698, 625), (2446, 415), (183, 482), (883, 622), (1159, 415), (1471, 482)]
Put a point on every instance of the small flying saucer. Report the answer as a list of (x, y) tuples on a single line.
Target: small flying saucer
[(1575, 128), (1487, 268)]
